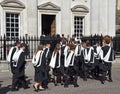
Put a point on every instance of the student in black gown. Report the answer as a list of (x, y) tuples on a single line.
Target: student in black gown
[(97, 49), (19, 66), (88, 61), (78, 50), (107, 56), (12, 51), (48, 54), (71, 67), (64, 50), (39, 62), (55, 63)]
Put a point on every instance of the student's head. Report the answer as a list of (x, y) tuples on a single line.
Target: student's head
[(23, 46), (40, 47), (87, 43), (62, 35), (72, 46), (83, 44), (107, 39), (63, 41), (48, 45), (57, 47), (18, 44)]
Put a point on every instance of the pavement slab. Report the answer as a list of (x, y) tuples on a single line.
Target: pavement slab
[(91, 86)]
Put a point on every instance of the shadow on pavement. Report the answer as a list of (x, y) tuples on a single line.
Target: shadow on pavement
[(4, 90), (0, 84)]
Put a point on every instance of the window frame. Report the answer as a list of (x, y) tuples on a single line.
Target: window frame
[(77, 27), (74, 14), (21, 20), (12, 27)]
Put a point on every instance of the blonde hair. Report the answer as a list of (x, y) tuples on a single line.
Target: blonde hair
[(57, 48), (40, 47)]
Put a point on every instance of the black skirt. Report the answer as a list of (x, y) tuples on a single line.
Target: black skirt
[(39, 75), (105, 66), (71, 71), (56, 72)]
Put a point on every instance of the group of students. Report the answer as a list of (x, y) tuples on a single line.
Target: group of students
[(64, 64), (70, 60)]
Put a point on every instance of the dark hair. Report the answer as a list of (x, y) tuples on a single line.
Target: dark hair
[(63, 41), (17, 43), (40, 47), (72, 46), (87, 43), (23, 45), (57, 48), (107, 39)]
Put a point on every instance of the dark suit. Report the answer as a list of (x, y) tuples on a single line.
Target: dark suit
[(105, 66), (19, 74)]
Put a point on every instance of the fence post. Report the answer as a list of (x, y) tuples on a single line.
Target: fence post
[(4, 45)]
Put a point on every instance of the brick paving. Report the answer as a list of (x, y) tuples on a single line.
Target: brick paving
[(88, 87)]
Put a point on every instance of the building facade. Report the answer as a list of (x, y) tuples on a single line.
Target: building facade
[(68, 17), (118, 17)]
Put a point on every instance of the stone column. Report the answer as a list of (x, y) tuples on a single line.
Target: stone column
[(66, 17), (111, 17), (94, 17), (32, 17)]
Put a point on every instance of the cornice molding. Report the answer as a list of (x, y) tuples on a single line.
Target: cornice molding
[(80, 8), (49, 6), (12, 3)]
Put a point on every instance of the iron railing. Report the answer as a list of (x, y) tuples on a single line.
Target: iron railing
[(33, 41)]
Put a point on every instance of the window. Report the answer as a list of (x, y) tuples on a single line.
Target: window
[(12, 25), (78, 26)]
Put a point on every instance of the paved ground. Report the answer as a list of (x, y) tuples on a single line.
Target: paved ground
[(89, 87)]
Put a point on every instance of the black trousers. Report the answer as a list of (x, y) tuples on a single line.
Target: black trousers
[(46, 79), (106, 71), (87, 69), (70, 76), (17, 81)]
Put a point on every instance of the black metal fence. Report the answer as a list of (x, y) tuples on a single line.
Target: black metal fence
[(32, 43), (98, 38)]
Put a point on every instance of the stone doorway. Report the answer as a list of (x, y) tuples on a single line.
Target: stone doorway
[(48, 24)]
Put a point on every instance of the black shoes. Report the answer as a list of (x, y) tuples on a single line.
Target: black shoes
[(110, 80), (85, 79), (35, 89), (55, 84), (76, 85), (26, 87), (62, 83), (65, 86), (102, 82), (14, 89)]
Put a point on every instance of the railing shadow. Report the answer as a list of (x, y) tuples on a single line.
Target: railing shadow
[(6, 89)]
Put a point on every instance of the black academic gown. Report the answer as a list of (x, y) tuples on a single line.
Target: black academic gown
[(47, 55), (20, 69), (11, 61), (62, 59), (107, 65), (47, 75), (56, 70), (87, 66), (71, 73), (40, 70)]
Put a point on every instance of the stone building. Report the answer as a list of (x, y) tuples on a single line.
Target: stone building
[(68, 17), (117, 17)]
